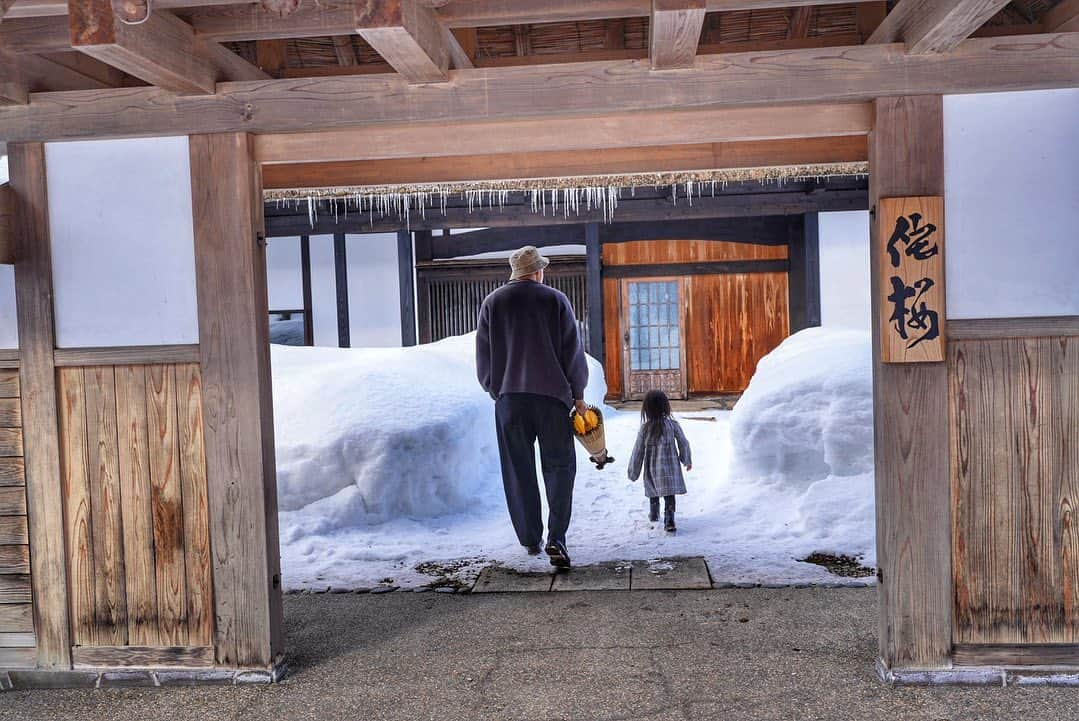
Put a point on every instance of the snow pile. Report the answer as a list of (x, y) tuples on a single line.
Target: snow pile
[(808, 412), (286, 332), (366, 436)]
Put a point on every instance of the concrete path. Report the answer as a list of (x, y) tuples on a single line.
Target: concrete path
[(734, 654), (661, 574)]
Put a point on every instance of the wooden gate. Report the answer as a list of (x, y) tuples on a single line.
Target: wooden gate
[(653, 319)]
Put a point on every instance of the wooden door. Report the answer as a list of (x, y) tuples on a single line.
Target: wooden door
[(653, 342)]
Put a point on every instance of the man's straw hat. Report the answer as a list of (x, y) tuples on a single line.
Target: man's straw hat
[(526, 261)]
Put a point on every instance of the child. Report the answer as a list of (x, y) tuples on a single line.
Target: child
[(660, 447)]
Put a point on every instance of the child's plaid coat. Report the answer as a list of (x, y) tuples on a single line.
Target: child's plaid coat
[(661, 460)]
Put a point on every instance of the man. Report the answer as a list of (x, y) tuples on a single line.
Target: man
[(530, 359)]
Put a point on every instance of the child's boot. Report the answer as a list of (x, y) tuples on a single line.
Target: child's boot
[(653, 509), (668, 520)]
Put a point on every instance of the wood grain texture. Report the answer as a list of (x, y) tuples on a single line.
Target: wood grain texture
[(674, 32), (33, 290), (12, 501), (647, 252), (15, 589), (16, 618), (13, 530), (612, 331), (934, 26), (407, 34), (1063, 17), (143, 656), (1016, 655), (167, 505), (14, 559), (9, 383), (1065, 371), (11, 442), (855, 73), (10, 413), (237, 405), (12, 658), (911, 421), (589, 132), (12, 472), (125, 355), (136, 500), (7, 223), (200, 609), (103, 463), (986, 328)]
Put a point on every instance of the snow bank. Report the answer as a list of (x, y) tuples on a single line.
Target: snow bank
[(808, 411), (366, 436)]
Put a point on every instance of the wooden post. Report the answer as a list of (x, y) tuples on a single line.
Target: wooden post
[(37, 380), (803, 284), (406, 288), (910, 408), (594, 289), (7, 223), (340, 270), (424, 252), (230, 265), (305, 281)]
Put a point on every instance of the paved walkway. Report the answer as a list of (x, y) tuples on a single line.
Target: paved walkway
[(732, 654)]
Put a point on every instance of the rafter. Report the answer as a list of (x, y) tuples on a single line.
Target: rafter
[(799, 22), (1064, 18), (345, 52), (408, 36), (163, 50), (5, 5), (934, 26), (674, 32)]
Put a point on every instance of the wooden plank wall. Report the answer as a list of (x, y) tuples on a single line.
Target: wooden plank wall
[(135, 506), (17, 640), (732, 320), (1014, 411)]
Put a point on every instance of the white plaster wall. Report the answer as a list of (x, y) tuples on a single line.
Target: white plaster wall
[(1011, 177), (123, 242), (9, 335), (844, 269), (284, 280)]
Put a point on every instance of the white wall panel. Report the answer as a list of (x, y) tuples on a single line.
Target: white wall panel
[(1011, 172), (9, 336), (123, 242), (374, 305), (844, 270)]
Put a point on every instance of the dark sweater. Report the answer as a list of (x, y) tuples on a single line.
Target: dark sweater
[(527, 342)]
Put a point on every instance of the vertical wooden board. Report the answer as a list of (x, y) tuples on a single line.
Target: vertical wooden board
[(910, 409), (1065, 360), (78, 533), (612, 331), (136, 507), (965, 384), (34, 292), (166, 500), (105, 505), (200, 620)]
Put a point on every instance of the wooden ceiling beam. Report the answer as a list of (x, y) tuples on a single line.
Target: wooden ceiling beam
[(863, 72), (408, 36), (674, 32), (163, 50), (1063, 18), (934, 26)]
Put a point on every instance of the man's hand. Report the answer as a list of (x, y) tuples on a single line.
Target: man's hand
[(581, 406)]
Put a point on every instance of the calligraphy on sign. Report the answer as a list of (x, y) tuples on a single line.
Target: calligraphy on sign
[(911, 279)]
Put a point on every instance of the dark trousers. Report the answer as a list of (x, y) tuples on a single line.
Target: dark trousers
[(668, 503), (522, 419)]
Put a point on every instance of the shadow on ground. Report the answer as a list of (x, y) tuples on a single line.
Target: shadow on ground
[(598, 656)]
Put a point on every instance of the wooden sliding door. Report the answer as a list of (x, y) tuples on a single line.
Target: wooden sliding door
[(653, 337)]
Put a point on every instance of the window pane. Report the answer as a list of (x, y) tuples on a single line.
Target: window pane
[(632, 293)]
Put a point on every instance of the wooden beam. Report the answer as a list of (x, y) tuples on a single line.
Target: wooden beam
[(717, 267), (674, 32), (868, 16), (406, 287), (408, 36), (588, 132), (346, 53), (799, 22), (910, 408), (934, 26), (5, 5), (803, 287), (37, 379), (1064, 18), (340, 273), (271, 56), (460, 57), (230, 268), (7, 224), (163, 50), (736, 79)]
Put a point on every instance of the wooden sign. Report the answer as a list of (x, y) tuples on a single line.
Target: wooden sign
[(911, 231)]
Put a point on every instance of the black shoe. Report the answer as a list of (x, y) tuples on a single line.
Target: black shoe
[(668, 521), (556, 552), (653, 511), (534, 549)]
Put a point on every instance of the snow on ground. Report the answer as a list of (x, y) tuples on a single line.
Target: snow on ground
[(387, 459)]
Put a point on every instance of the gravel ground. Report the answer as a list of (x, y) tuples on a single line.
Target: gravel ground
[(734, 653)]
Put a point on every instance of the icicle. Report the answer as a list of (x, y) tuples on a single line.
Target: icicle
[(311, 211)]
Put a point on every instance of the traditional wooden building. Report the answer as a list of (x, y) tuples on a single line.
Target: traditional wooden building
[(138, 510)]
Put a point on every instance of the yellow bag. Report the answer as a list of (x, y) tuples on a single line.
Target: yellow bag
[(588, 429)]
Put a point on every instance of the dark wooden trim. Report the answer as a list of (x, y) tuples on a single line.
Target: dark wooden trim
[(1034, 327), (234, 329), (767, 230), (747, 205), (1015, 655), (406, 287), (594, 289), (34, 293), (468, 268), (804, 283), (142, 657), (305, 281), (489, 240), (424, 250), (719, 267), (340, 272), (126, 355)]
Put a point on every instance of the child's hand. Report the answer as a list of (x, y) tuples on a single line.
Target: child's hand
[(689, 467)]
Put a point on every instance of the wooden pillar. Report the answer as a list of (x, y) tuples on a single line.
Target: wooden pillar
[(7, 222), (594, 290), (406, 288), (424, 252), (340, 271), (803, 282), (37, 381), (305, 281), (230, 265), (910, 408)]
